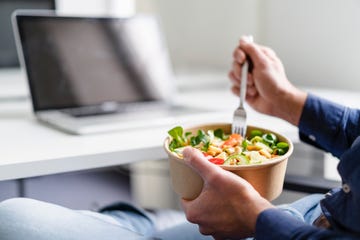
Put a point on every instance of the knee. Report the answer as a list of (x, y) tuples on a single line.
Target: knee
[(18, 218), (15, 206), (15, 211), (12, 205), (20, 208), (12, 209)]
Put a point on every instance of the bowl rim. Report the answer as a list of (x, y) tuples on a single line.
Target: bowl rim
[(272, 161)]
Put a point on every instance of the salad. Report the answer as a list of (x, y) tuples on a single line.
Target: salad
[(229, 149)]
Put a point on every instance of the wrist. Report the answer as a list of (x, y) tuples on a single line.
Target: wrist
[(259, 205), (291, 105)]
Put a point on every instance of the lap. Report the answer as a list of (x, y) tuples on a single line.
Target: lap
[(34, 220), (306, 209), (29, 219)]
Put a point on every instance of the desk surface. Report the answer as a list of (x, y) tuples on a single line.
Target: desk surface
[(31, 149)]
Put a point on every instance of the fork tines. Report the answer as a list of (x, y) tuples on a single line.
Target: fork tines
[(239, 122)]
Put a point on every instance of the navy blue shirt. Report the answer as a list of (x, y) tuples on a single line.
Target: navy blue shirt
[(335, 129)]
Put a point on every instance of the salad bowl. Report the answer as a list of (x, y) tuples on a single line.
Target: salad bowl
[(266, 177)]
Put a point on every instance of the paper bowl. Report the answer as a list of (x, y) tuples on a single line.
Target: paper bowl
[(267, 178)]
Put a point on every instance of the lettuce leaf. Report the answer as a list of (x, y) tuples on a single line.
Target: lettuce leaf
[(178, 139)]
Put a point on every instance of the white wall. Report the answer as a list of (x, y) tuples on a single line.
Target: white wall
[(318, 41), (203, 33), (96, 7)]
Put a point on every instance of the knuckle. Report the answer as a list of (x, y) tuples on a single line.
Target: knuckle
[(213, 177), (204, 230), (192, 217)]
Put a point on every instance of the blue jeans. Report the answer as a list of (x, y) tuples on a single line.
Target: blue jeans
[(22, 218)]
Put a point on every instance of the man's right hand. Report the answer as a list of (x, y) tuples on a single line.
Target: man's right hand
[(268, 89)]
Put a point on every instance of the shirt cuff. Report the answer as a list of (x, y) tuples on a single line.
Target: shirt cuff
[(320, 124), (276, 224)]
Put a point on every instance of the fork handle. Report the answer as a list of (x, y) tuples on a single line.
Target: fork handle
[(244, 73)]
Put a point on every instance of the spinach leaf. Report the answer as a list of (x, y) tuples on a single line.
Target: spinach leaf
[(220, 134), (178, 138), (201, 137)]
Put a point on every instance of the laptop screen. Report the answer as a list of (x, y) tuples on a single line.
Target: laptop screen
[(83, 61)]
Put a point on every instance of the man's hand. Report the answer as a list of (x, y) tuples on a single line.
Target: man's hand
[(268, 89), (228, 206)]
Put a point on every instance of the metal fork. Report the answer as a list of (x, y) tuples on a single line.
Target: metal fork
[(239, 119)]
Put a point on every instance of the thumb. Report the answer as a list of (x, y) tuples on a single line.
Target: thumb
[(197, 161)]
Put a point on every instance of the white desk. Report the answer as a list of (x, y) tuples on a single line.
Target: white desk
[(29, 148)]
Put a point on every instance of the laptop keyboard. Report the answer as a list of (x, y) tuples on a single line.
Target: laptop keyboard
[(109, 109), (96, 111), (86, 112)]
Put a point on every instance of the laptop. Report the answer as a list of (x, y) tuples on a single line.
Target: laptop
[(98, 74)]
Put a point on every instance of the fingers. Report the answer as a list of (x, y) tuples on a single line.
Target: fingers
[(235, 88), (259, 55), (239, 56), (251, 90), (236, 70), (254, 51), (196, 160)]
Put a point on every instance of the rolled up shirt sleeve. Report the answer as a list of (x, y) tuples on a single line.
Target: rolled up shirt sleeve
[(328, 125), (335, 129)]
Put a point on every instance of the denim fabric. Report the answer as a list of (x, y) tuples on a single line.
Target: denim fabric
[(306, 209), (22, 218)]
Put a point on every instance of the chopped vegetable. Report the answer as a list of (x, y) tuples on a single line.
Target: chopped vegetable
[(217, 161), (178, 139), (222, 149)]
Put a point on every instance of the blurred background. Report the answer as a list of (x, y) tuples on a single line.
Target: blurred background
[(318, 42)]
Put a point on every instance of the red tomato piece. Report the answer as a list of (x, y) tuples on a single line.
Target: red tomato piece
[(217, 161), (233, 140), (236, 136), (208, 156), (230, 142), (205, 154)]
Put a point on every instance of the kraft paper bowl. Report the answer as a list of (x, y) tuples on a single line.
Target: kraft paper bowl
[(267, 178)]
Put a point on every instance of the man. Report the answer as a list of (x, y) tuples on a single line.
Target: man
[(228, 206)]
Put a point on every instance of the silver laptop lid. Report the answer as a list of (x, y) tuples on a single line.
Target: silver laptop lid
[(78, 61)]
